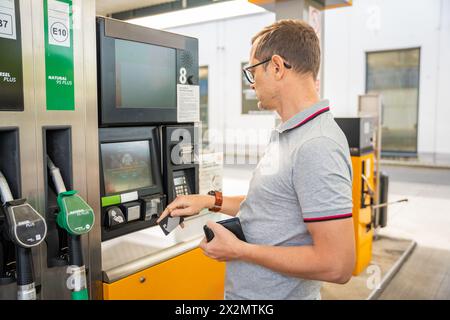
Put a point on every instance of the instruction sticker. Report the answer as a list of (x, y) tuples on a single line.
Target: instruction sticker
[(7, 19), (58, 23), (130, 196), (188, 103), (211, 172)]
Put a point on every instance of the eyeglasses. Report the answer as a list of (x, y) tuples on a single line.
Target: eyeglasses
[(249, 75)]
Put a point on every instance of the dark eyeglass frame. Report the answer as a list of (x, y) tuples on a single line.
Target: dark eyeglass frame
[(249, 75)]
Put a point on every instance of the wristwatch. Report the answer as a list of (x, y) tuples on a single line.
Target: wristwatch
[(219, 199)]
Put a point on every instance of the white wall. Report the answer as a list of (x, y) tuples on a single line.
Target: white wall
[(443, 86), (350, 32), (223, 46), (375, 25)]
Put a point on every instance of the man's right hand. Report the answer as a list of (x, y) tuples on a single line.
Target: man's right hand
[(188, 205)]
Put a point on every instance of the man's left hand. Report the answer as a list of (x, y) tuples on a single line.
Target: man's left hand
[(224, 246)]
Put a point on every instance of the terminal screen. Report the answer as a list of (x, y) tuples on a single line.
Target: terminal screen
[(126, 166), (145, 75)]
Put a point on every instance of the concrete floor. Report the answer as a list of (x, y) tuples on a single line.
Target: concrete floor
[(424, 276), (425, 218)]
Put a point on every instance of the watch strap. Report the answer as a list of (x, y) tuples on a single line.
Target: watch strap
[(218, 200)]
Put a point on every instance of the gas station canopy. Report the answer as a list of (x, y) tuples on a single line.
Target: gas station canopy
[(327, 4), (139, 8)]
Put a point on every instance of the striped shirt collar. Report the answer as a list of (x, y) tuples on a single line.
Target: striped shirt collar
[(304, 116)]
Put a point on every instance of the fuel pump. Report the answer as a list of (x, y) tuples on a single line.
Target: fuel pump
[(77, 218), (26, 229)]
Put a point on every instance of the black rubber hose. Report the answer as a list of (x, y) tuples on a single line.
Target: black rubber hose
[(75, 250), (24, 266)]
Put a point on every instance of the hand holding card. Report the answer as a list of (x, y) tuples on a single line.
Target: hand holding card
[(169, 223)]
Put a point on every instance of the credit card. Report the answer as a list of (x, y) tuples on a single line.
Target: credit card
[(169, 223)]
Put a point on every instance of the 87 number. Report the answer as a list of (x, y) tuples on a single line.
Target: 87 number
[(3, 23)]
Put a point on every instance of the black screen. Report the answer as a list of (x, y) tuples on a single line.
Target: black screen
[(11, 75), (145, 75), (126, 166)]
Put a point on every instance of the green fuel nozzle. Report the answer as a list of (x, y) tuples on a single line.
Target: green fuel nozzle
[(75, 215), (77, 218)]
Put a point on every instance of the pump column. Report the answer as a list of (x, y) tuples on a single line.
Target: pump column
[(17, 131)]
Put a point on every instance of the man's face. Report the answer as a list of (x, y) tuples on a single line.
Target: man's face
[(264, 84)]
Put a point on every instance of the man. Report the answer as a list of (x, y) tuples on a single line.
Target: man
[(297, 215)]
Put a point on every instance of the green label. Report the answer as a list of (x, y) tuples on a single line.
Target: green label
[(59, 55), (109, 201)]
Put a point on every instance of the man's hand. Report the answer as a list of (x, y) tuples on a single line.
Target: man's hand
[(224, 246), (188, 205)]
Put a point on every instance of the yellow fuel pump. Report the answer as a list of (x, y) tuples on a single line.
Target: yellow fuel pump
[(359, 132), (363, 198)]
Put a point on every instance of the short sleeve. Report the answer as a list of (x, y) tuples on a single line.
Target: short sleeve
[(322, 178)]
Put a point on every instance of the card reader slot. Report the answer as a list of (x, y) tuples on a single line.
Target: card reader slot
[(180, 171)]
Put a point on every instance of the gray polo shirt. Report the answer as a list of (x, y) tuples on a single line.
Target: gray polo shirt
[(305, 176)]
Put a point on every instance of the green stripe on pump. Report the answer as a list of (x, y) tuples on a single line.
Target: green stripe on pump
[(59, 59), (111, 200)]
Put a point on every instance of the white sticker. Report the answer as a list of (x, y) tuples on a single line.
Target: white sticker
[(188, 103), (368, 168), (210, 172), (366, 127), (58, 23), (7, 19), (130, 196)]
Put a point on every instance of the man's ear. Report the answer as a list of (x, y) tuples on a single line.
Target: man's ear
[(278, 66)]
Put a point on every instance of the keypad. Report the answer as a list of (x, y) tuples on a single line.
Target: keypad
[(181, 189)]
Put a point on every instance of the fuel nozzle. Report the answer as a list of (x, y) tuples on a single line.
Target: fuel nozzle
[(27, 229), (77, 218)]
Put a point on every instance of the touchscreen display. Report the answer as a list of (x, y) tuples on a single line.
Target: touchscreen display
[(145, 75), (126, 166)]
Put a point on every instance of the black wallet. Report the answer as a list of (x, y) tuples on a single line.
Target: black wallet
[(233, 224)]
